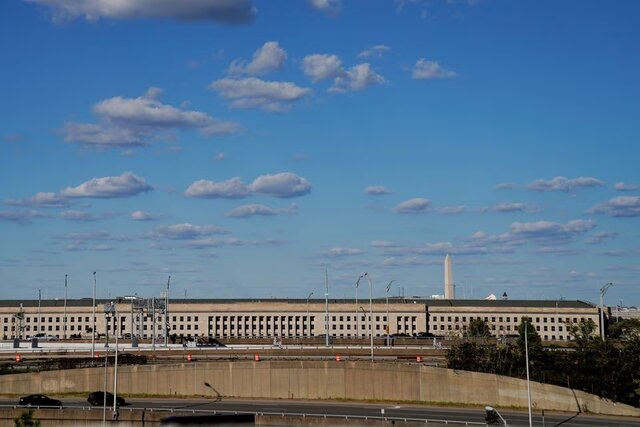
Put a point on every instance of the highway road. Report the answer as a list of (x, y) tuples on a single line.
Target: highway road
[(514, 418)]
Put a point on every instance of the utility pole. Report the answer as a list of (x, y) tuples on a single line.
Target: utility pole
[(370, 312), (357, 315), (388, 326)]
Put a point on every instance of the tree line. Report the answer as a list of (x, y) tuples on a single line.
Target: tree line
[(607, 368)]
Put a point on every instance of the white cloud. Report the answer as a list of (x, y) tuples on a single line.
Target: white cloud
[(223, 11), (550, 231), (246, 211), (232, 188), (255, 93), (131, 122), (602, 237), (623, 206), (625, 186), (343, 252), (144, 216), (377, 190), (74, 215), (284, 185), (320, 67), (451, 210), (512, 207), (185, 231), (268, 58), (357, 78), (560, 183), (125, 185), (41, 200), (22, 216), (328, 7), (415, 205), (376, 51), (220, 156), (505, 186), (425, 69)]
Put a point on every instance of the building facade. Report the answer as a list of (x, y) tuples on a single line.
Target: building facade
[(289, 317)]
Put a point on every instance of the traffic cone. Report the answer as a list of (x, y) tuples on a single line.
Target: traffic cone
[(18, 357), (189, 358), (419, 359), (337, 357), (256, 357)]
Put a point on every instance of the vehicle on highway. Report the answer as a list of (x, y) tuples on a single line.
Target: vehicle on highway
[(97, 399), (45, 337), (38, 400)]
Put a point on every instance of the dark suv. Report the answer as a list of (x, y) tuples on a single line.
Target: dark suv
[(38, 400), (97, 399)]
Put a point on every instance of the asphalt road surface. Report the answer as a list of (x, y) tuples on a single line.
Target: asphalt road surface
[(514, 418)]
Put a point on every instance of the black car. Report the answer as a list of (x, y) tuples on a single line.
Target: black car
[(97, 399), (38, 400)]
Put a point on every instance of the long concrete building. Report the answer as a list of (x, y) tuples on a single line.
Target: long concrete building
[(275, 318)]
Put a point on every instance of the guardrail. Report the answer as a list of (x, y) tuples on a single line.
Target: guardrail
[(186, 410)]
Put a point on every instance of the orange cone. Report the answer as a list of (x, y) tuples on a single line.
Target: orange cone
[(419, 359), (189, 358), (337, 357), (18, 357), (256, 357)]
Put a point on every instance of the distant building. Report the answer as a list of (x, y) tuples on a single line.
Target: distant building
[(232, 318)]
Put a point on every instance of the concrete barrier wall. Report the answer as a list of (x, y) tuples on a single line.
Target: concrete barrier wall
[(407, 382)]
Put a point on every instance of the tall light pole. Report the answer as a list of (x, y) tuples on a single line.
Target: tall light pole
[(64, 314), (326, 307), (308, 320), (370, 308), (388, 327), (39, 304), (357, 322), (115, 371), (166, 315), (526, 353), (93, 330), (603, 290)]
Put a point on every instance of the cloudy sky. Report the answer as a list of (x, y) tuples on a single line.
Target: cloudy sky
[(244, 146)]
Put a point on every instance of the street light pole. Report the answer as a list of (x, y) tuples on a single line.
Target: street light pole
[(326, 307), (603, 290), (166, 315), (387, 326), (93, 329), (308, 320), (64, 318), (39, 304), (357, 322), (526, 352), (370, 312), (115, 371)]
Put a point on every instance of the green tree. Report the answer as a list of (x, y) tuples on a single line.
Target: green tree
[(26, 420), (625, 329), (534, 342), (478, 328), (584, 330)]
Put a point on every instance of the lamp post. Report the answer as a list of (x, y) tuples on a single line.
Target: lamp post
[(166, 315), (388, 327), (93, 329), (64, 314), (39, 304), (308, 320), (491, 409), (603, 290), (370, 307), (326, 307), (526, 353), (357, 322)]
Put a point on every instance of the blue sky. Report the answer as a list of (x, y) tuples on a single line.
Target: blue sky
[(243, 146)]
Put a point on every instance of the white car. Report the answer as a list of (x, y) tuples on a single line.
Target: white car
[(45, 337)]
